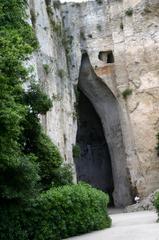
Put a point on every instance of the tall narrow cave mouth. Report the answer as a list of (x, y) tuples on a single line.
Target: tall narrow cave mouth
[(94, 163)]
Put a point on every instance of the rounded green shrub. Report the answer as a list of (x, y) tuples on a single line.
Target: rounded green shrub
[(68, 211), (38, 101), (127, 92), (56, 214)]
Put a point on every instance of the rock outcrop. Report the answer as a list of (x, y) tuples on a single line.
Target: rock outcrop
[(145, 204), (50, 64), (121, 39)]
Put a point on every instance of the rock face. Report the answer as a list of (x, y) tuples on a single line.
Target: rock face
[(111, 50), (145, 204), (51, 71)]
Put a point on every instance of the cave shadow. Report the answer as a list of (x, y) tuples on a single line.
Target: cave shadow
[(111, 147), (94, 163)]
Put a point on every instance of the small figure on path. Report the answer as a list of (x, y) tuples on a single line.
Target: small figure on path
[(137, 199)]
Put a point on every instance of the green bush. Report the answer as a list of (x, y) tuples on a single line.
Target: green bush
[(68, 211), (13, 223), (17, 40), (38, 101), (49, 160), (156, 203), (56, 214), (63, 175), (29, 161), (127, 92), (20, 182), (28, 158)]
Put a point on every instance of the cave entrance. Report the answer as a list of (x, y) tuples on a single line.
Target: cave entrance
[(94, 164), (106, 56), (100, 109)]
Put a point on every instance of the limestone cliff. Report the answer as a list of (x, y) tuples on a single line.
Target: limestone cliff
[(118, 43), (51, 70)]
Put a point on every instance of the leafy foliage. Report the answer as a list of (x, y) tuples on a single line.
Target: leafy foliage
[(18, 172), (56, 214), (127, 92), (63, 175), (27, 155), (29, 162), (39, 102), (13, 224), (19, 182), (67, 211), (36, 142), (156, 203), (49, 159)]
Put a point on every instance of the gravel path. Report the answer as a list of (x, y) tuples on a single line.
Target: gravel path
[(127, 226)]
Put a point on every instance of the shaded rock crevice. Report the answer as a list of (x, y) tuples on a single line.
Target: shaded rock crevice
[(94, 163), (107, 109)]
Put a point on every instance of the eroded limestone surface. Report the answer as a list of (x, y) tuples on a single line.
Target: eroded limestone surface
[(134, 42), (121, 39)]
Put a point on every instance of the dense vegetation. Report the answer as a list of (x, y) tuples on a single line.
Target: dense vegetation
[(74, 210), (28, 158), (56, 214), (30, 164), (18, 171)]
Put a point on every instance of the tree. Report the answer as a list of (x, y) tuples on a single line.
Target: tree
[(27, 155)]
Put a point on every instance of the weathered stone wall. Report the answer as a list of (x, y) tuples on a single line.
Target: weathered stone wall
[(128, 28), (51, 71)]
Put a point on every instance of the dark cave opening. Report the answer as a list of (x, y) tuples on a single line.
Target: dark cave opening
[(94, 163), (106, 56), (110, 58)]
